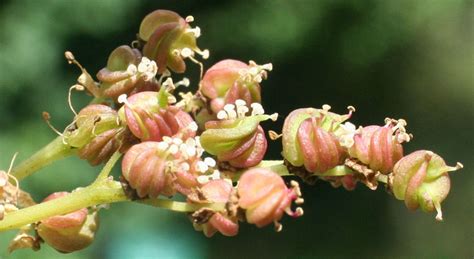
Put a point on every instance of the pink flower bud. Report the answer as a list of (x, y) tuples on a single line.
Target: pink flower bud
[(218, 191), (150, 119), (380, 147), (421, 180), (71, 232), (169, 39), (264, 197), (230, 80), (310, 140)]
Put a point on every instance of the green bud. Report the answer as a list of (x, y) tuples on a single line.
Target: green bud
[(421, 180)]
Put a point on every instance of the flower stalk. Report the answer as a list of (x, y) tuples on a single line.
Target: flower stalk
[(50, 153)]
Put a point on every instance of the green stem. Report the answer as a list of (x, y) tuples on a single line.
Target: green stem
[(101, 192), (104, 192), (279, 167), (104, 173), (53, 151)]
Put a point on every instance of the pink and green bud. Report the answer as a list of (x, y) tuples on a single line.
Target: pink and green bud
[(167, 167), (237, 138), (70, 232), (379, 147), (127, 71), (265, 197), (90, 122), (230, 80), (218, 191), (169, 39), (310, 139), (421, 180), (96, 133), (150, 118)]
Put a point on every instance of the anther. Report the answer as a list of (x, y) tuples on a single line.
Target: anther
[(278, 226), (274, 117), (210, 161), (299, 201), (257, 109), (273, 135), (47, 118), (299, 212), (122, 99), (186, 52), (189, 18), (69, 56)]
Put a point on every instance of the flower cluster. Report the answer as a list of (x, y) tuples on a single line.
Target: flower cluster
[(207, 147)]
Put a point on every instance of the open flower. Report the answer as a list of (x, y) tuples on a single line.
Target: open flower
[(379, 147), (229, 80), (127, 71), (150, 118), (265, 197), (310, 139), (421, 180), (164, 168), (70, 232), (237, 138), (169, 40)]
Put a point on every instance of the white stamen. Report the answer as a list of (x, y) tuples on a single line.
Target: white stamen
[(232, 114), (274, 117), (216, 174), (193, 126), (122, 98), (201, 167), (173, 149), (210, 161), (190, 142), (229, 107), (253, 71), (204, 54), (257, 109), (163, 146), (240, 102), (241, 111), (222, 115), (326, 107), (177, 141), (167, 139), (268, 66), (186, 52), (185, 82), (202, 179), (189, 18), (191, 151), (184, 166), (132, 69)]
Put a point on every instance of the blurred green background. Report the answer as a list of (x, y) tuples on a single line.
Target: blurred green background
[(401, 59)]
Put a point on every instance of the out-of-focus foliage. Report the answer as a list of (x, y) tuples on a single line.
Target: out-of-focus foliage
[(410, 59)]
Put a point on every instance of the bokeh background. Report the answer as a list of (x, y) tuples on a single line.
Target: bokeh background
[(401, 59)]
